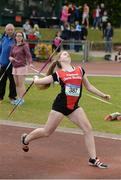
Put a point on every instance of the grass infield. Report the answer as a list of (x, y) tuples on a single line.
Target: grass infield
[(38, 104)]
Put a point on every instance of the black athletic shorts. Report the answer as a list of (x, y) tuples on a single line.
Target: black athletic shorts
[(62, 108)]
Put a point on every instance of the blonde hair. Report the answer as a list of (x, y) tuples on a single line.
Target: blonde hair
[(55, 63), (36, 27)]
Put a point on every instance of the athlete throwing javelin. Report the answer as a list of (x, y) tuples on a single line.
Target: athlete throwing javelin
[(71, 80)]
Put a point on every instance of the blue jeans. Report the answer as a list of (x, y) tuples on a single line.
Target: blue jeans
[(108, 45)]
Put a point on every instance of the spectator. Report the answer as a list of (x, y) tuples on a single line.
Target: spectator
[(96, 17), (64, 15), (85, 15), (78, 26), (102, 7), (84, 32), (71, 11), (27, 28), (77, 35), (5, 46), (72, 37), (104, 21), (36, 31), (77, 13), (33, 40), (34, 13), (66, 34), (108, 34), (20, 57), (57, 41), (34, 17)]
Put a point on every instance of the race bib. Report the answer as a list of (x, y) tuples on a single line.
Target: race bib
[(72, 90)]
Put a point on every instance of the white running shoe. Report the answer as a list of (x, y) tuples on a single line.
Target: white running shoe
[(96, 162)]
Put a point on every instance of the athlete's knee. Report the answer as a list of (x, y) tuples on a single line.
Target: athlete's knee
[(47, 133), (87, 129)]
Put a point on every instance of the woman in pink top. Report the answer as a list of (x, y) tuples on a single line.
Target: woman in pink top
[(64, 14), (20, 57)]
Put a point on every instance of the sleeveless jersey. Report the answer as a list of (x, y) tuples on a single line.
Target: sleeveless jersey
[(71, 87)]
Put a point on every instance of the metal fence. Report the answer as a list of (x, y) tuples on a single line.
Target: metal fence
[(87, 50)]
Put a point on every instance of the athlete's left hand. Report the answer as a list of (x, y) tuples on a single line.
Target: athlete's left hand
[(106, 97)]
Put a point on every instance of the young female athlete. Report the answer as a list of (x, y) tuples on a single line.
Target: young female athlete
[(20, 57), (66, 103)]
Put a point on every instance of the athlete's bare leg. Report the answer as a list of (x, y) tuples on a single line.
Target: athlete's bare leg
[(53, 121), (79, 118)]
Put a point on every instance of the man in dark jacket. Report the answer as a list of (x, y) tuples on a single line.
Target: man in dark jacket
[(5, 67), (108, 34)]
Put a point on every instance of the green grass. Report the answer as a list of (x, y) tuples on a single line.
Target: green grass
[(79, 57), (96, 35), (38, 104), (93, 35)]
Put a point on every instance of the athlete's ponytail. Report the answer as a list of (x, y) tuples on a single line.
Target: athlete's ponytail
[(55, 63)]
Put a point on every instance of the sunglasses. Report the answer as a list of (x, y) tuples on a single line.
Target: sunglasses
[(19, 36)]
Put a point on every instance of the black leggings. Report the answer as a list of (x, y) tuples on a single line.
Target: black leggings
[(12, 86)]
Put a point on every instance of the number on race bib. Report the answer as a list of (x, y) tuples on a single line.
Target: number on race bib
[(72, 90)]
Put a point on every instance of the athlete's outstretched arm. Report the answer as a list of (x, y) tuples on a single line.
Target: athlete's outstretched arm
[(94, 90), (44, 80)]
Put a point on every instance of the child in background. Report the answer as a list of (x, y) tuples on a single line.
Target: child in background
[(57, 41), (36, 31)]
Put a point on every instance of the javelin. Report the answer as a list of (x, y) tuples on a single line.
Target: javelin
[(102, 100), (37, 72), (45, 64), (5, 71)]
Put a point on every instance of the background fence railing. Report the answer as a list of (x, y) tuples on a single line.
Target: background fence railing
[(87, 50)]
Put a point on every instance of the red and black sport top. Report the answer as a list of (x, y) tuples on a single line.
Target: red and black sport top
[(71, 87)]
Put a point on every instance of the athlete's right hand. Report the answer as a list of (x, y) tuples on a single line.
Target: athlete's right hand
[(35, 78)]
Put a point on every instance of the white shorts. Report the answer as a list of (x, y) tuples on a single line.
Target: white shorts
[(85, 16)]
